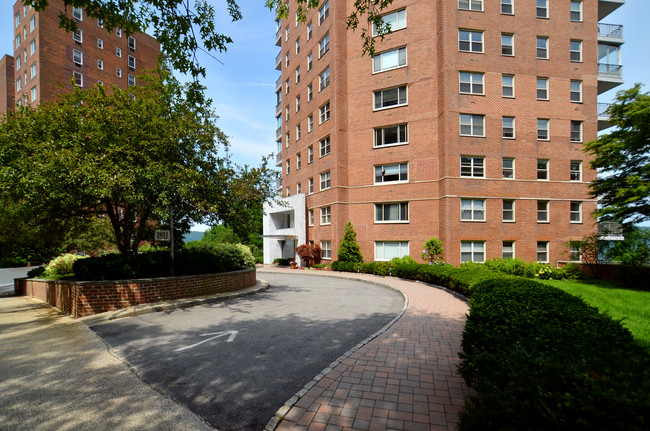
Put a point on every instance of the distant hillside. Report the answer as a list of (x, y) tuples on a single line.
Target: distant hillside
[(194, 235)]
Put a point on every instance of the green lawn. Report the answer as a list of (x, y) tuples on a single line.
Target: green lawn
[(630, 306)]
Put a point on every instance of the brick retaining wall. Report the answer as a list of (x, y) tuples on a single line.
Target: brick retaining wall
[(85, 298)]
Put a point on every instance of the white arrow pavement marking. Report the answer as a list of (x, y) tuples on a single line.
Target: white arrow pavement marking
[(232, 335)]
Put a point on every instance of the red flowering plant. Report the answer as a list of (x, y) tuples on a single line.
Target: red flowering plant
[(310, 254)]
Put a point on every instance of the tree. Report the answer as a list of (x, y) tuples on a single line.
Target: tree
[(134, 156), (310, 254), (622, 158), (634, 250), (349, 250), (433, 251)]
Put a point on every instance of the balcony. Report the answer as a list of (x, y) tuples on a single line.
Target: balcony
[(278, 37), (609, 76), (278, 61), (278, 159), (610, 231), (278, 133), (603, 116), (610, 33), (605, 7), (278, 109), (278, 184), (278, 83)]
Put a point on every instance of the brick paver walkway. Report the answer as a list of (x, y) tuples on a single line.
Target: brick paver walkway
[(405, 379)]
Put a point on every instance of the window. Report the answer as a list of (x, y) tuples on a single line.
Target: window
[(32, 70), (542, 251), (131, 62), (542, 8), (542, 169), (508, 250), (470, 5), (324, 45), (326, 250), (297, 75), (508, 168), (309, 30), (323, 12), (391, 173), (507, 44), (298, 162), (287, 139), (472, 166), (19, 84), (325, 215), (393, 212), (311, 185), (472, 251), (311, 217), (576, 131), (18, 41), (391, 135), (471, 82), (17, 19), (298, 188), (118, 32), (576, 91), (286, 86), (309, 61), (542, 88), (310, 92), (286, 33), (542, 211), (387, 250), (118, 52), (576, 170), (78, 36), (310, 154), (576, 50), (77, 13), (508, 85), (118, 72), (77, 57), (131, 81), (310, 123), (288, 166), (396, 20), (576, 10), (32, 47), (18, 62), (100, 23), (391, 97), (286, 113), (297, 46), (472, 125), (542, 129), (298, 130), (286, 59), (297, 103), (324, 113), (576, 212), (287, 191), (324, 79), (325, 146), (32, 24), (33, 94), (389, 60), (132, 43), (472, 210), (100, 43), (508, 127), (325, 181), (507, 7), (100, 64), (508, 210), (542, 47), (470, 41), (78, 79)]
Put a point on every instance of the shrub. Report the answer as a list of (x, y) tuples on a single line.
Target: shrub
[(61, 266), (539, 358), (433, 251), (309, 253), (349, 250), (281, 261)]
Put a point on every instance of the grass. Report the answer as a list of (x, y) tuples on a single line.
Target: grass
[(630, 306)]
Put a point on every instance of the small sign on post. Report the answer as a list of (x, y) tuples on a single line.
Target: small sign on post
[(162, 235)]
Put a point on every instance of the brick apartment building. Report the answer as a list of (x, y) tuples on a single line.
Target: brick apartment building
[(47, 57), (467, 125)]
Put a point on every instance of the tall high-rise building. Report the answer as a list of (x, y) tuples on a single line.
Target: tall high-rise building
[(467, 125), (46, 58)]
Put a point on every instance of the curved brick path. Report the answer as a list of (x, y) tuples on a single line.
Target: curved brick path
[(405, 379)]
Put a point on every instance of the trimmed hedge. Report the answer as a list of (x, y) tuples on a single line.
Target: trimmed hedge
[(195, 258), (539, 359)]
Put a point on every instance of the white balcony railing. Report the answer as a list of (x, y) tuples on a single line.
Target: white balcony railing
[(611, 31), (611, 71)]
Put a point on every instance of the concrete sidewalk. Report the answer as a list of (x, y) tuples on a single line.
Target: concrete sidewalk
[(55, 374), (405, 379)]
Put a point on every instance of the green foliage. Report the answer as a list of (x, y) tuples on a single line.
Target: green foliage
[(61, 266), (622, 159), (349, 250), (520, 268), (571, 271), (149, 248), (248, 258), (405, 260), (634, 250), (433, 251), (220, 234), (539, 359), (281, 261)]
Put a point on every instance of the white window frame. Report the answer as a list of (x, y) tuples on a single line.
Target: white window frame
[(78, 36), (33, 94), (505, 169), (471, 5), (32, 47), (396, 20), (326, 216), (310, 154), (575, 95), (543, 213), (19, 84), (310, 61), (323, 12), (575, 175), (310, 92), (507, 44), (77, 57), (380, 135), (326, 250), (476, 124), (476, 250), (576, 131), (325, 180), (543, 127), (508, 127), (78, 78), (298, 162), (118, 52), (118, 72), (470, 165), (508, 254), (309, 30), (474, 83), (575, 13), (325, 146), (131, 62), (310, 123), (100, 64), (78, 13), (507, 4), (298, 132), (504, 86), (543, 173), (380, 246), (32, 71), (400, 170), (310, 213), (508, 208), (472, 209), (575, 252), (542, 52), (541, 10), (575, 211), (130, 80), (575, 54), (132, 43), (287, 166), (379, 98), (542, 251), (324, 113), (32, 24), (470, 43), (324, 79), (297, 74), (118, 32), (100, 43), (311, 185), (383, 209), (323, 45), (378, 60), (542, 88), (297, 104), (297, 46)]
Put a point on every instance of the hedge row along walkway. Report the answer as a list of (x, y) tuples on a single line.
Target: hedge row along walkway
[(404, 379)]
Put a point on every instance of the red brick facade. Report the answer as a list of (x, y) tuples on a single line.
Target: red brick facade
[(80, 299), (7, 90), (434, 146)]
